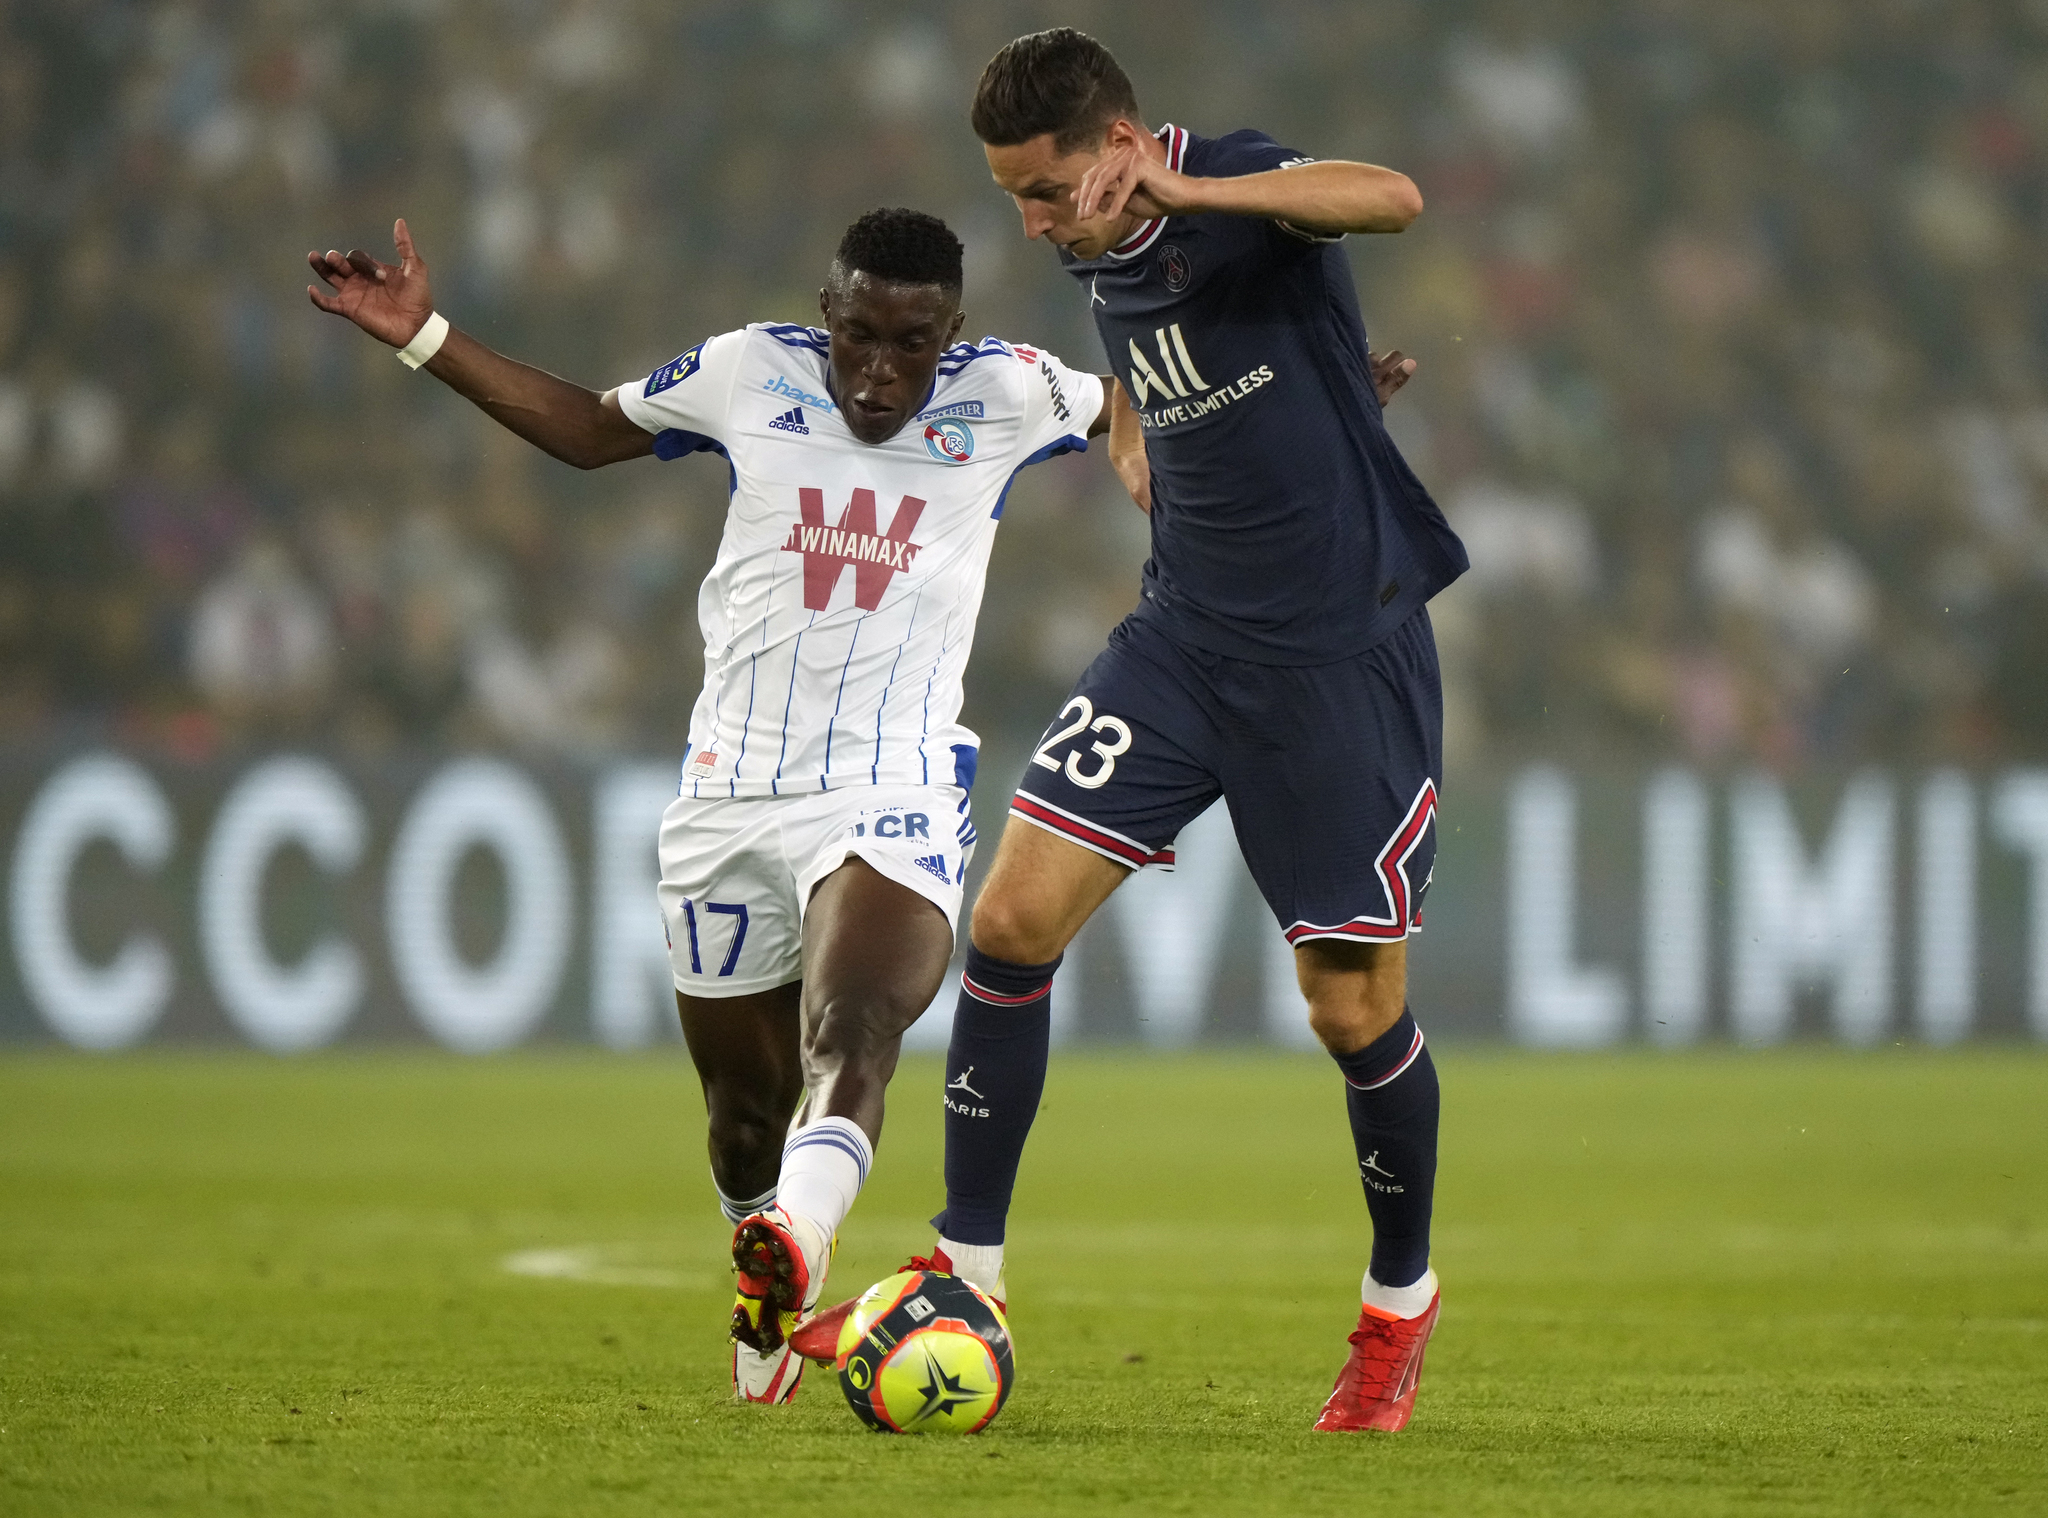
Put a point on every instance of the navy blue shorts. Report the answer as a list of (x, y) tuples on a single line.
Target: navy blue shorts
[(1330, 771)]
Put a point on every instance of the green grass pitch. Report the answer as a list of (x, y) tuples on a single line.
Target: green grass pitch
[(1801, 1282)]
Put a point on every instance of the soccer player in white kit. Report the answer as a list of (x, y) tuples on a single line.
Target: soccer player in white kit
[(811, 867)]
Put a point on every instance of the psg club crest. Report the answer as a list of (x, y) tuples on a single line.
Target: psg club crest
[(950, 440), (1174, 268)]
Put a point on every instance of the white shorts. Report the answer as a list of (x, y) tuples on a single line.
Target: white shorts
[(737, 874)]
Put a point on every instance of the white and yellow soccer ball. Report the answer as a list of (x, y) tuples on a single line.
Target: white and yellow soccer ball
[(923, 1353)]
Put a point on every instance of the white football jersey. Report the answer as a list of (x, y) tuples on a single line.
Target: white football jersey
[(838, 617)]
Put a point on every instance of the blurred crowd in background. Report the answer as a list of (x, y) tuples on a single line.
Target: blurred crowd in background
[(1732, 320)]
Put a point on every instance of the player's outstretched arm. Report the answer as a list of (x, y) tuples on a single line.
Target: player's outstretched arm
[(392, 302), (1328, 198)]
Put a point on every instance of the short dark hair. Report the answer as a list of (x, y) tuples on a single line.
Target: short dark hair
[(1062, 81), (903, 247)]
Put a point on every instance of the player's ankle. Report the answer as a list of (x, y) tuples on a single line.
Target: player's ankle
[(981, 1264), (810, 1236), (1399, 1301)]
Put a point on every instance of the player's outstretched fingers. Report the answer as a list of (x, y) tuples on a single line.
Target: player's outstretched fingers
[(1390, 371), (1109, 182)]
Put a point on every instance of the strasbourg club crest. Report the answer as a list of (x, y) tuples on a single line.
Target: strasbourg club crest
[(1174, 268), (950, 440)]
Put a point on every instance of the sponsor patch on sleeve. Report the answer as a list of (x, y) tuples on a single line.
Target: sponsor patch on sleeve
[(675, 371)]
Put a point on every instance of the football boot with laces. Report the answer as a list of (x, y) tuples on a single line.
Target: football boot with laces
[(817, 1337), (1376, 1387)]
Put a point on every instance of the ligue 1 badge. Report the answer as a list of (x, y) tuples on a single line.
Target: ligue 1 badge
[(1174, 266)]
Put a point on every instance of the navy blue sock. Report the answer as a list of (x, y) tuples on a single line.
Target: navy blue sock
[(1390, 1088), (995, 1075)]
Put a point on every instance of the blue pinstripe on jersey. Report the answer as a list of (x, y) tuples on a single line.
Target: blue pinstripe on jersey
[(775, 785), (875, 769), (839, 699)]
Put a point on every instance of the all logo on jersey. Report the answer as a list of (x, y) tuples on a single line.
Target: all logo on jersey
[(1146, 381), (949, 440), (792, 420), (1175, 391), (1174, 268), (675, 371), (827, 551)]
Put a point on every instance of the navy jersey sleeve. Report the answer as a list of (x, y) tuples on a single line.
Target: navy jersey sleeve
[(1250, 152)]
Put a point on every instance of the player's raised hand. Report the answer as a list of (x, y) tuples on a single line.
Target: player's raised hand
[(391, 302), (1127, 180), (1390, 371)]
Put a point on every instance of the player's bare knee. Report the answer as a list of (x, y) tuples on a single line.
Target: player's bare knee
[(1006, 926), (1343, 1025), (1355, 992)]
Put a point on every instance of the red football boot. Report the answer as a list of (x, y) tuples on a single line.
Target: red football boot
[(817, 1337), (1376, 1387), (776, 1282)]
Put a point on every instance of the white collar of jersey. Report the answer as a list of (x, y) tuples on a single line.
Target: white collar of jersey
[(1176, 140)]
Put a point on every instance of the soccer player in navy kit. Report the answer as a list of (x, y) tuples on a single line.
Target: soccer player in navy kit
[(1279, 657)]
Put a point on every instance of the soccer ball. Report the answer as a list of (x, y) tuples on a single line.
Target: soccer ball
[(924, 1352)]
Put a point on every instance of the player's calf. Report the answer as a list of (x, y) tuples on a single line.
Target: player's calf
[(1392, 1098), (995, 1076), (745, 1138)]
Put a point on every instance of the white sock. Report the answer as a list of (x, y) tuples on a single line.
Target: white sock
[(823, 1168), (738, 1209), (1401, 1301), (979, 1264)]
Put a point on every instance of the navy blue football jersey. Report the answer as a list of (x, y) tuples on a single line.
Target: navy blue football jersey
[(1286, 526)]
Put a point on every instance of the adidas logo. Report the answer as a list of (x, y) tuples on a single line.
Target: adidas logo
[(935, 864), (792, 420)]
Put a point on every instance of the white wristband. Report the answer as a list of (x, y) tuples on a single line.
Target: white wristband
[(426, 342)]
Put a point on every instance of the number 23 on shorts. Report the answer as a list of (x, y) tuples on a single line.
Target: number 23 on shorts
[(1082, 710)]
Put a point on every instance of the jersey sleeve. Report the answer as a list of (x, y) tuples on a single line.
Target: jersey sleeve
[(1250, 152), (1060, 405), (690, 394)]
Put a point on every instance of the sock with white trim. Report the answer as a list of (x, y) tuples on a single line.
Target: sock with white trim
[(980, 1264), (824, 1165), (738, 1209), (995, 1076), (1391, 1092), (1398, 1301)]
